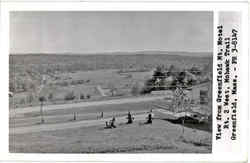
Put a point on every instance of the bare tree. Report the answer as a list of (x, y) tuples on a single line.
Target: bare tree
[(112, 88)]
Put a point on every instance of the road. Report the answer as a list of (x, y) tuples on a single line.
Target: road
[(14, 112), (50, 119), (69, 125)]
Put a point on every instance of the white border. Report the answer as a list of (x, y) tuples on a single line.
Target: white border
[(122, 6)]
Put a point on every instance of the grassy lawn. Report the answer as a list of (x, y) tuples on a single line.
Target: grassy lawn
[(161, 136)]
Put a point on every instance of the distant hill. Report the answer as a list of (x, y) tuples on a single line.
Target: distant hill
[(124, 60), (146, 52)]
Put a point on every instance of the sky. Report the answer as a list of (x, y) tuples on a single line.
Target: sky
[(97, 32)]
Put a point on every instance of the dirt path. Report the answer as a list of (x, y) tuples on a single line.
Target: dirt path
[(68, 125), (13, 112)]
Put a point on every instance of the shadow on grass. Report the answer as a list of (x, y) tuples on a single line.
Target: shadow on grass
[(198, 143), (204, 126)]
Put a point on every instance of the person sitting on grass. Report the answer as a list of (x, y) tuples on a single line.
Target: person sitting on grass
[(130, 118), (112, 123), (149, 119)]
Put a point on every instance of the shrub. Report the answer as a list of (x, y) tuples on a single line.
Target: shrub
[(82, 96), (42, 99), (77, 82), (69, 96), (195, 70), (88, 96), (50, 97)]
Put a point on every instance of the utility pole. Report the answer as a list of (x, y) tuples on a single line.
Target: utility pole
[(41, 99), (186, 105)]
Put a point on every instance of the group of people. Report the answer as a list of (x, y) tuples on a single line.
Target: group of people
[(130, 120)]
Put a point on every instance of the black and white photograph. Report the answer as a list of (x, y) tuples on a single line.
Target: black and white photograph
[(110, 81)]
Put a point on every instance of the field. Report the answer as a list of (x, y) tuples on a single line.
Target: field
[(161, 136), (82, 92), (59, 75)]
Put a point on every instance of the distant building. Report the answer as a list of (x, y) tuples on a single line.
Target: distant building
[(201, 93)]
